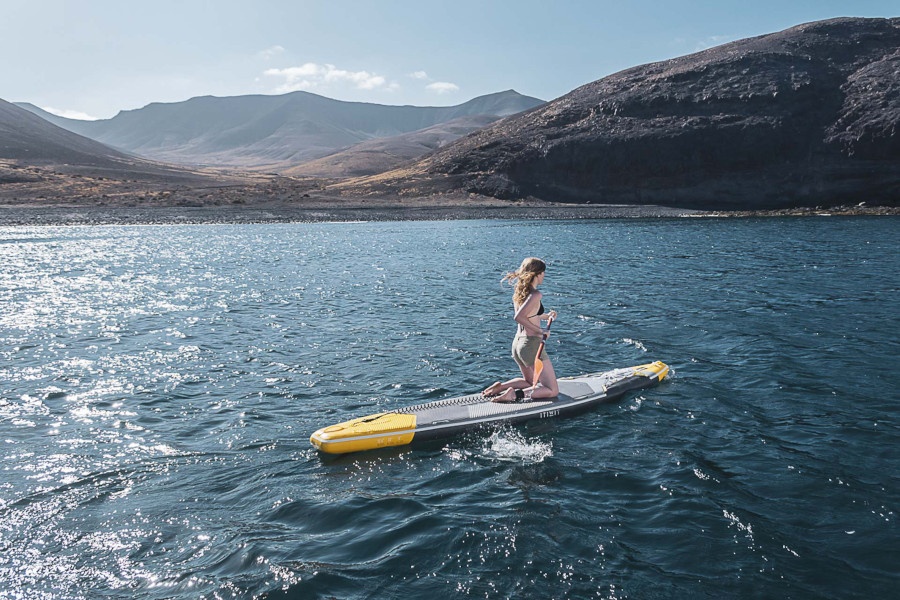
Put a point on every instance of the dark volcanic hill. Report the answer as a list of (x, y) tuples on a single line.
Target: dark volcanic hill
[(49, 159), (26, 137), (807, 116), (272, 132)]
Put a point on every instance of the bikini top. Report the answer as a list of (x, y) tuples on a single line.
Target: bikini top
[(540, 310)]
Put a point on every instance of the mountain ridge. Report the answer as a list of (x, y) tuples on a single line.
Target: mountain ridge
[(809, 115), (27, 137), (271, 132), (41, 160), (803, 117), (383, 154)]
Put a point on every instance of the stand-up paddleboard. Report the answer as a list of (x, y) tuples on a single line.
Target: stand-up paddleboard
[(444, 418)]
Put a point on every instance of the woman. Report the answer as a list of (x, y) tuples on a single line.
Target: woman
[(529, 314)]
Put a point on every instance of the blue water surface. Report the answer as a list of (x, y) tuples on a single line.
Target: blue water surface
[(160, 383)]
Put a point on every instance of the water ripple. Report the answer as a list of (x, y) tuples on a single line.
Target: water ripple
[(160, 385)]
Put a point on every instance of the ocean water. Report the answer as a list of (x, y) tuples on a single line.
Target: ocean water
[(160, 383)]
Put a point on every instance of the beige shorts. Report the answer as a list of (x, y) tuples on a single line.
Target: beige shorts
[(525, 349)]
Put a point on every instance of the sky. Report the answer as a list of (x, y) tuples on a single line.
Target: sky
[(93, 58)]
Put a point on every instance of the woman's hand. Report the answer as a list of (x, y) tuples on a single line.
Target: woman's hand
[(551, 316)]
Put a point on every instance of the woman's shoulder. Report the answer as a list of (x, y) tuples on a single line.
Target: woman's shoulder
[(534, 296)]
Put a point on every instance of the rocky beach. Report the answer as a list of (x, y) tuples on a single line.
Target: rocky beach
[(13, 215), (18, 215)]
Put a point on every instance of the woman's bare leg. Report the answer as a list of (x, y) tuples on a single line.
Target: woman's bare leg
[(548, 387), (519, 383)]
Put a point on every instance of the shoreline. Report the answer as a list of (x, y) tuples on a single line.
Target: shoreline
[(61, 215)]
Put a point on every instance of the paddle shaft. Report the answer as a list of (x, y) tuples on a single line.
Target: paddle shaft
[(538, 363)]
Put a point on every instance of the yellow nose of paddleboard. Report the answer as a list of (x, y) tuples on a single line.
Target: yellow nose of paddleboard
[(657, 370), (366, 433)]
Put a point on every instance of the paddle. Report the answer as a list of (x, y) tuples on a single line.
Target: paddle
[(538, 363)]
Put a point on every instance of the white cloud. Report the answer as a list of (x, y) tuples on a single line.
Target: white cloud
[(270, 53), (438, 87), (70, 114), (442, 87), (313, 76)]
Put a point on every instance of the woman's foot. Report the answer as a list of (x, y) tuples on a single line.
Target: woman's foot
[(508, 396), (492, 390)]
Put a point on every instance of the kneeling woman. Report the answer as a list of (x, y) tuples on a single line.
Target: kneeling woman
[(529, 312)]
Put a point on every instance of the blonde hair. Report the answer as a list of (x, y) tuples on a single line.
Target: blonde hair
[(523, 278)]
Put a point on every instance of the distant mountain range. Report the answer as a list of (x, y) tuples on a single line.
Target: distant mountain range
[(384, 154), (807, 116), (280, 132), (803, 117)]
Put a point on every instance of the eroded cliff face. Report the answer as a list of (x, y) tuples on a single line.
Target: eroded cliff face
[(806, 116)]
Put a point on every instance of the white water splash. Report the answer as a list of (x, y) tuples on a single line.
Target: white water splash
[(636, 343), (509, 444), (745, 528)]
